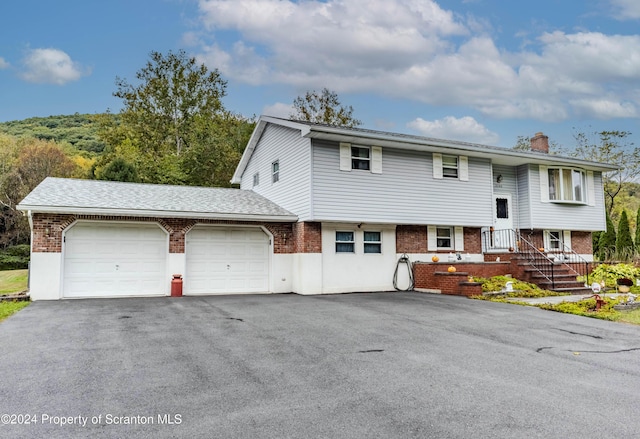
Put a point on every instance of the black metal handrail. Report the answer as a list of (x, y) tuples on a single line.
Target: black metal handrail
[(538, 260)]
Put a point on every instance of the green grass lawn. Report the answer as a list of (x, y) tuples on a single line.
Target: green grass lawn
[(9, 307), (13, 281)]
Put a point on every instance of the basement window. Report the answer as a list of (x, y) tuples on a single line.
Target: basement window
[(444, 238)]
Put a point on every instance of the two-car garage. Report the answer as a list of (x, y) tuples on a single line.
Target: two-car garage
[(119, 259)]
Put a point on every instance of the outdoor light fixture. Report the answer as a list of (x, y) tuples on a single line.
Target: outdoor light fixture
[(499, 179)]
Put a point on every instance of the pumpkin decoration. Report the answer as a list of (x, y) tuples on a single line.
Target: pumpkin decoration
[(435, 259), (451, 269)]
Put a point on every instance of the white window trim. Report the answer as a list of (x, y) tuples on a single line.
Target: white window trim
[(457, 238), (353, 242), (463, 167), (256, 179), (588, 188), (365, 242), (375, 158), (275, 173)]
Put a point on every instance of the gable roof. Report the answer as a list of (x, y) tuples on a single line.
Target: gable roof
[(361, 136), (94, 197)]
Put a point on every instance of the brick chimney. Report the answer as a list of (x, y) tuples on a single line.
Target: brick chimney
[(540, 143)]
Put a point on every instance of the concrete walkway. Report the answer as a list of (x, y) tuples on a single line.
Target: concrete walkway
[(559, 299)]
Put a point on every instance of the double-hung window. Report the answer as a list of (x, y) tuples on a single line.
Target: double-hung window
[(345, 242), (360, 158), (275, 171), (444, 238), (566, 184), (372, 242), (450, 166), (256, 179)]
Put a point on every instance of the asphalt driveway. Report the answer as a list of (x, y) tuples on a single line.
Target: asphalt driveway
[(342, 366)]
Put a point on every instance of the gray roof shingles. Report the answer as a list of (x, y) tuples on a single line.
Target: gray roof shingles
[(74, 194)]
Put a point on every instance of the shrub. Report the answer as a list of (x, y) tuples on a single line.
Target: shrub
[(521, 289), (611, 273), (15, 258)]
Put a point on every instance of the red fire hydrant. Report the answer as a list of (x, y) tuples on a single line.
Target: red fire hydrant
[(599, 301), (176, 285)]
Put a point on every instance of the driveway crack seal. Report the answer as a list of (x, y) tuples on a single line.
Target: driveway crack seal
[(370, 350), (579, 333)]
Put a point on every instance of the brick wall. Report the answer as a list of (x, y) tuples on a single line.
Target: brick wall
[(424, 273), (582, 243), (307, 237), (48, 228), (411, 239)]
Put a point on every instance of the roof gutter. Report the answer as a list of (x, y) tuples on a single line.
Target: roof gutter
[(437, 145), (157, 213)]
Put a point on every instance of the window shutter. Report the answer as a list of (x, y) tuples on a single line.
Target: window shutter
[(437, 165), (591, 189), (463, 168), (345, 156), (376, 159), (459, 238), (544, 183), (432, 240), (566, 238)]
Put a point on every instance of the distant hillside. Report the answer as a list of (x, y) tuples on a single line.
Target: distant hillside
[(77, 129)]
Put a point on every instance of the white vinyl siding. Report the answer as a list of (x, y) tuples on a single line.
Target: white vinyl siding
[(404, 193), (293, 153), (559, 216)]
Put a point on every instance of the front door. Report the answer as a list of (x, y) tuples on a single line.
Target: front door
[(503, 236)]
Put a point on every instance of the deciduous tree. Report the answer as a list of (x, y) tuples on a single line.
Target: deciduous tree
[(323, 107)]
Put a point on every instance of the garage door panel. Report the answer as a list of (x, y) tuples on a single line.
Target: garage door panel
[(226, 260), (109, 259)]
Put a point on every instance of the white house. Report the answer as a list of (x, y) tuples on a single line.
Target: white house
[(320, 209)]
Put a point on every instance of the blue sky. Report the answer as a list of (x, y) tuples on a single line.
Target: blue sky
[(484, 71)]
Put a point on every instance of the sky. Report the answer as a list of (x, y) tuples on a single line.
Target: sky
[(483, 71)]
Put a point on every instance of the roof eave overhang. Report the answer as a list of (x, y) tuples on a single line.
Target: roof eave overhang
[(157, 213), (498, 156), (255, 138)]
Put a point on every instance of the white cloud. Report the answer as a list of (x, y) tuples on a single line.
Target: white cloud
[(3, 64), (464, 129), (51, 66), (414, 49), (626, 9), (278, 110)]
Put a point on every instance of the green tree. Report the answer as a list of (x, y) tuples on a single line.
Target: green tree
[(607, 245), (33, 160), (637, 240), (611, 147), (215, 154), (624, 242), (174, 91), (323, 107), (119, 170)]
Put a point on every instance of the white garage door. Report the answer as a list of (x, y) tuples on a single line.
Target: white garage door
[(227, 260), (102, 260)]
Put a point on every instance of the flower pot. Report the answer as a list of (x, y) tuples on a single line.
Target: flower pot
[(623, 288)]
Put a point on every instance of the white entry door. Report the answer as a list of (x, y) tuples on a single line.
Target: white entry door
[(226, 260), (503, 236), (115, 260)]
